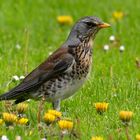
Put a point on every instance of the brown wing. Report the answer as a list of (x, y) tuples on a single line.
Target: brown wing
[(47, 65), (57, 63)]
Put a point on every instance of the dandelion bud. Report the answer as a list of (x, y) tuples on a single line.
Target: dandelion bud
[(118, 15), (49, 118), (65, 125), (138, 137), (55, 113), (1, 121), (22, 121), (9, 118), (65, 19), (97, 138), (22, 107), (101, 107), (125, 116)]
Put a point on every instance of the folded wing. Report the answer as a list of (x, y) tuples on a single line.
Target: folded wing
[(56, 64)]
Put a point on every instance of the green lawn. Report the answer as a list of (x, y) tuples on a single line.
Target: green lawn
[(114, 78)]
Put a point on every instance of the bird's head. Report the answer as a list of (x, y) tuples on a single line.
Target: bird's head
[(87, 27)]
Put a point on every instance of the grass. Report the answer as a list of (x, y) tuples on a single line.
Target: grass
[(114, 77)]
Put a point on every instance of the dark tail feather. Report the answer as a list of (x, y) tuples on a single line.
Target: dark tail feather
[(13, 96), (20, 100), (9, 96)]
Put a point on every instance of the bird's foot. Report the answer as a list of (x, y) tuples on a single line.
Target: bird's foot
[(56, 104)]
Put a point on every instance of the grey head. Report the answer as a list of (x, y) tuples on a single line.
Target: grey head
[(86, 27)]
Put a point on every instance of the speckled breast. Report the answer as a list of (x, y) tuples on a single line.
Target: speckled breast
[(68, 83)]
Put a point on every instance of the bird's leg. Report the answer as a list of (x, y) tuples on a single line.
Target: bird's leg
[(56, 104), (40, 108)]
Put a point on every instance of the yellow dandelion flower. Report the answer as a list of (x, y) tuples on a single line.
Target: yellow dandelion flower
[(101, 107), (22, 121), (55, 113), (1, 121), (97, 138), (65, 19), (64, 124), (9, 118), (49, 118), (138, 137), (118, 15), (22, 107), (125, 115)]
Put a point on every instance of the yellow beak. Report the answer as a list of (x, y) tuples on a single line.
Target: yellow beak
[(104, 25)]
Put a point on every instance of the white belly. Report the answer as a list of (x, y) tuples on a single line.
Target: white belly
[(69, 89)]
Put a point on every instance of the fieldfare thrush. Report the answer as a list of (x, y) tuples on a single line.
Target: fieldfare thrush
[(65, 71)]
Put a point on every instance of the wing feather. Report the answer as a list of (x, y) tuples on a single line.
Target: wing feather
[(56, 64)]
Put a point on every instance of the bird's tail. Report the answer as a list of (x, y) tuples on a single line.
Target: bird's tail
[(13, 95), (6, 96)]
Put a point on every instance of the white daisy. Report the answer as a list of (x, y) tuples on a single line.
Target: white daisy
[(21, 77), (122, 48), (4, 137), (18, 46), (106, 47), (18, 138), (15, 78), (50, 53), (112, 38)]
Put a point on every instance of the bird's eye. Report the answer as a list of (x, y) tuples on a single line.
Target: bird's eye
[(90, 24)]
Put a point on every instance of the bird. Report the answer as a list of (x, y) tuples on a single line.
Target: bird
[(63, 72)]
